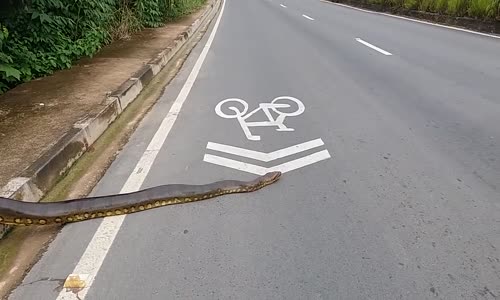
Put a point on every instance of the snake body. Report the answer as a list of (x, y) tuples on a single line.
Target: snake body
[(14, 212)]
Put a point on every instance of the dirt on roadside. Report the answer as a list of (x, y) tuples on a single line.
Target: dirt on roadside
[(35, 115)]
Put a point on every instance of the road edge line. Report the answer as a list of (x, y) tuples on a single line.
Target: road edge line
[(95, 253)]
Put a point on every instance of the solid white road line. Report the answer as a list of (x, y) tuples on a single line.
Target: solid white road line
[(373, 47), (414, 20), (262, 156), (307, 17), (93, 257), (284, 6)]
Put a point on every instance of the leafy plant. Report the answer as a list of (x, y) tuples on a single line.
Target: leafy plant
[(8, 73), (38, 37), (149, 12)]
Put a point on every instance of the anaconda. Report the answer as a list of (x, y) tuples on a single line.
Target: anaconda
[(14, 212)]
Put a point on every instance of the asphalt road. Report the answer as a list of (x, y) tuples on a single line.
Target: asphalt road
[(407, 206)]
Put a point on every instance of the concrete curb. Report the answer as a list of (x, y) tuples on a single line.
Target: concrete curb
[(45, 172)]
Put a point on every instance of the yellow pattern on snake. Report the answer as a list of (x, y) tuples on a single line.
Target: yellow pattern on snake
[(13, 212)]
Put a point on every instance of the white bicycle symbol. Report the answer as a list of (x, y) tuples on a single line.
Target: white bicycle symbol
[(277, 106)]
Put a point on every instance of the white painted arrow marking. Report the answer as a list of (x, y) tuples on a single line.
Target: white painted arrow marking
[(234, 164), (262, 156), (258, 170), (301, 162)]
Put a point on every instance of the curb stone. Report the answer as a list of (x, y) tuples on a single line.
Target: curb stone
[(44, 173)]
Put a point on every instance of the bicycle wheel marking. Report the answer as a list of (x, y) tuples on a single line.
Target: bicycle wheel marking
[(275, 113), (278, 106)]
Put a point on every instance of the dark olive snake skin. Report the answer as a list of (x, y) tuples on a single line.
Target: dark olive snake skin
[(13, 212)]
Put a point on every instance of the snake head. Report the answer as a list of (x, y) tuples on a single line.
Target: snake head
[(271, 177)]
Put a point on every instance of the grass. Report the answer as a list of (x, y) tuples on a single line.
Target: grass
[(441, 6), (457, 8), (483, 8), (427, 5), (411, 4), (9, 248), (480, 9), (126, 20), (181, 8), (124, 24)]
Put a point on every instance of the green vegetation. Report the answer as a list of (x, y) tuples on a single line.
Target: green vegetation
[(484, 8), (8, 250), (38, 37), (479, 9)]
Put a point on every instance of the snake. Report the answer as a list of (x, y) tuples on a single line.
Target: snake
[(15, 212)]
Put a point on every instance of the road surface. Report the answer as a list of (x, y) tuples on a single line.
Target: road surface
[(393, 167)]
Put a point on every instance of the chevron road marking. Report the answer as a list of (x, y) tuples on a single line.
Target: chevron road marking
[(262, 156), (259, 170)]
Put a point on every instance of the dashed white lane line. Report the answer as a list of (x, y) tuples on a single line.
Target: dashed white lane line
[(93, 257), (307, 17), (414, 20), (373, 47), (284, 6)]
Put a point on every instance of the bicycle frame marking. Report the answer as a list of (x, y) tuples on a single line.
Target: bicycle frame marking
[(271, 121)]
